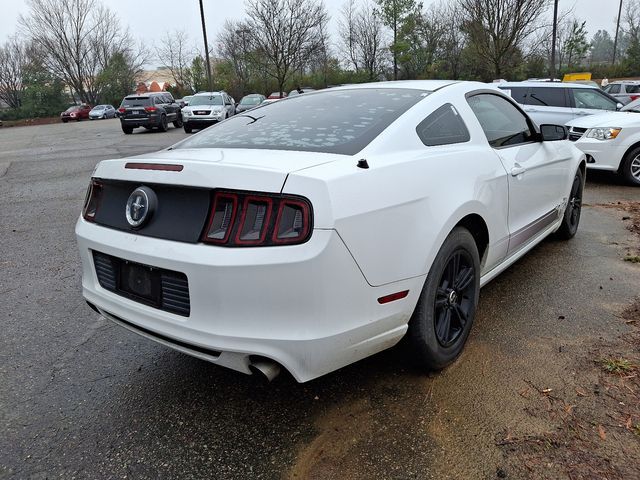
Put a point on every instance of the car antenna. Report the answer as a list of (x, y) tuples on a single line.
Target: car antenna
[(362, 163)]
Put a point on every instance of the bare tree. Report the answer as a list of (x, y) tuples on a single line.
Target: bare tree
[(362, 39), (233, 46), (176, 53), (499, 29), (78, 39), (454, 40), (284, 34), (13, 60)]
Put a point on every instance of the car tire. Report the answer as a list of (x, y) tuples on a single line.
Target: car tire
[(163, 126), (127, 130), (442, 319), (65, 121), (630, 168), (187, 129), (104, 117), (178, 123), (571, 217)]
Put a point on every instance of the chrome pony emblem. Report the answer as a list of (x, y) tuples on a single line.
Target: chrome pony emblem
[(140, 206)]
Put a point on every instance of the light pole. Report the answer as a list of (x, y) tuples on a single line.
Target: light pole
[(553, 40), (615, 42), (206, 48)]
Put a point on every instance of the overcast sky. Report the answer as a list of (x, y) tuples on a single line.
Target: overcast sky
[(147, 22)]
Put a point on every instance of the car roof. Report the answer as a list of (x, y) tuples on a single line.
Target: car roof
[(538, 84), (430, 85), (625, 81)]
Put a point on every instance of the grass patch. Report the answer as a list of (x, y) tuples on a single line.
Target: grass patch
[(632, 258), (617, 365)]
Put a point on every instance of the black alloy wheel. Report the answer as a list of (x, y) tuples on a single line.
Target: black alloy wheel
[(571, 219), (445, 311), (178, 122), (454, 303)]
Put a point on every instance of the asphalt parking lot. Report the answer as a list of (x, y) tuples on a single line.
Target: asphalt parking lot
[(82, 398)]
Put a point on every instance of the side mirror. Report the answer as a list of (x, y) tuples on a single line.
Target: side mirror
[(551, 133), (619, 106)]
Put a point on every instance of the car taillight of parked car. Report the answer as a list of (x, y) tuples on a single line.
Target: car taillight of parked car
[(150, 109), (634, 97), (92, 200), (239, 219), (122, 110)]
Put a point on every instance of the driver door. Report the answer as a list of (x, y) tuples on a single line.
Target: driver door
[(537, 170)]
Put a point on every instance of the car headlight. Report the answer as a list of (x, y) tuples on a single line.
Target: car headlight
[(186, 113), (602, 133)]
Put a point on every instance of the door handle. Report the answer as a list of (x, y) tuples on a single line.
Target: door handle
[(517, 170)]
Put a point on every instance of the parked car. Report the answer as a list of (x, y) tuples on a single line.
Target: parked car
[(624, 91), (611, 141), (257, 245), (76, 112), (275, 96), (559, 103), (149, 110), (249, 101), (102, 111), (207, 108)]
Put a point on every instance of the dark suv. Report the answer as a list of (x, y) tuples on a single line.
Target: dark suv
[(149, 110)]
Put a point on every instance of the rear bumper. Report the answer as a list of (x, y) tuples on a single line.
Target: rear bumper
[(307, 307), (152, 121)]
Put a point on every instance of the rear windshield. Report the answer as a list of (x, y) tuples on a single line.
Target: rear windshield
[(341, 121), (136, 102), (204, 100)]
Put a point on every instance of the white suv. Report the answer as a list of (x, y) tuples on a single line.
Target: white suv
[(207, 108), (558, 103)]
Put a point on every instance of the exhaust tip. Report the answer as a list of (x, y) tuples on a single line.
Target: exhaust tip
[(267, 369)]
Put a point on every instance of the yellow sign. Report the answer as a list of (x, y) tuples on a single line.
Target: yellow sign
[(572, 77)]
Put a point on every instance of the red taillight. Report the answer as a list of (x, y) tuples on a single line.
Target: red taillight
[(240, 219), (393, 297), (92, 201), (150, 109), (167, 167), (634, 97), (122, 110)]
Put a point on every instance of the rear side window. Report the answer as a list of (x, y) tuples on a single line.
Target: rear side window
[(503, 124), (547, 97), (591, 98), (136, 102), (443, 127), (632, 88), (613, 88)]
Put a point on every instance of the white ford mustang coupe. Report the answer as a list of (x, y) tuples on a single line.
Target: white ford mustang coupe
[(318, 230)]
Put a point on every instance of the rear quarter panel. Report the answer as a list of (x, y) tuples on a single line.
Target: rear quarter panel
[(395, 215)]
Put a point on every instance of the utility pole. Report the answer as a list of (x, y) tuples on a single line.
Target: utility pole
[(553, 39), (615, 42), (206, 48)]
